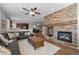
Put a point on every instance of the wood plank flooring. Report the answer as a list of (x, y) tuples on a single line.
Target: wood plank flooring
[(64, 49)]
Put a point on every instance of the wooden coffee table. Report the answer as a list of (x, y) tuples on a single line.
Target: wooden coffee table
[(36, 42)]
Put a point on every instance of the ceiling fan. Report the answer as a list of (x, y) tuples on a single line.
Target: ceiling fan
[(32, 11)]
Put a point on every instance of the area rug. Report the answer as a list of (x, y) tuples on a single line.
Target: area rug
[(27, 49)]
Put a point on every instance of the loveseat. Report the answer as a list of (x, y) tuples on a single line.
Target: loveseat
[(13, 46)]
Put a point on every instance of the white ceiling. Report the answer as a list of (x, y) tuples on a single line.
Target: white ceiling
[(16, 13)]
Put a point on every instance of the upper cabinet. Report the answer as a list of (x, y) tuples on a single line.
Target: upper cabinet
[(65, 15)]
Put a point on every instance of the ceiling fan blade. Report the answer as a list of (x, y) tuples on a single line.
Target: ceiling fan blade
[(35, 8), (26, 13), (37, 13), (32, 9), (26, 9)]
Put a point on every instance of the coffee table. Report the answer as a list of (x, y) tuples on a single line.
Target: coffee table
[(36, 42)]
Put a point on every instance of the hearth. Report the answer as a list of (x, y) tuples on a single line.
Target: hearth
[(65, 36)]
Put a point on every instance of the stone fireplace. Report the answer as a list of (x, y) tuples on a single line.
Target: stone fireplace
[(64, 27), (65, 36)]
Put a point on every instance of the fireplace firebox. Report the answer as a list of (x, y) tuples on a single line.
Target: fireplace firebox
[(65, 36)]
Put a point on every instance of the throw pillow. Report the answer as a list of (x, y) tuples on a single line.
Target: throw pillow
[(6, 36), (11, 35), (6, 41)]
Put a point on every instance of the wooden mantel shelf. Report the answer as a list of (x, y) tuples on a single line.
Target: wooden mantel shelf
[(62, 23)]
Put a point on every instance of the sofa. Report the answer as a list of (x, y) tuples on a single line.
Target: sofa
[(13, 46)]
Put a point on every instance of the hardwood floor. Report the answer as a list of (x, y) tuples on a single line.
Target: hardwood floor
[(64, 49)]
